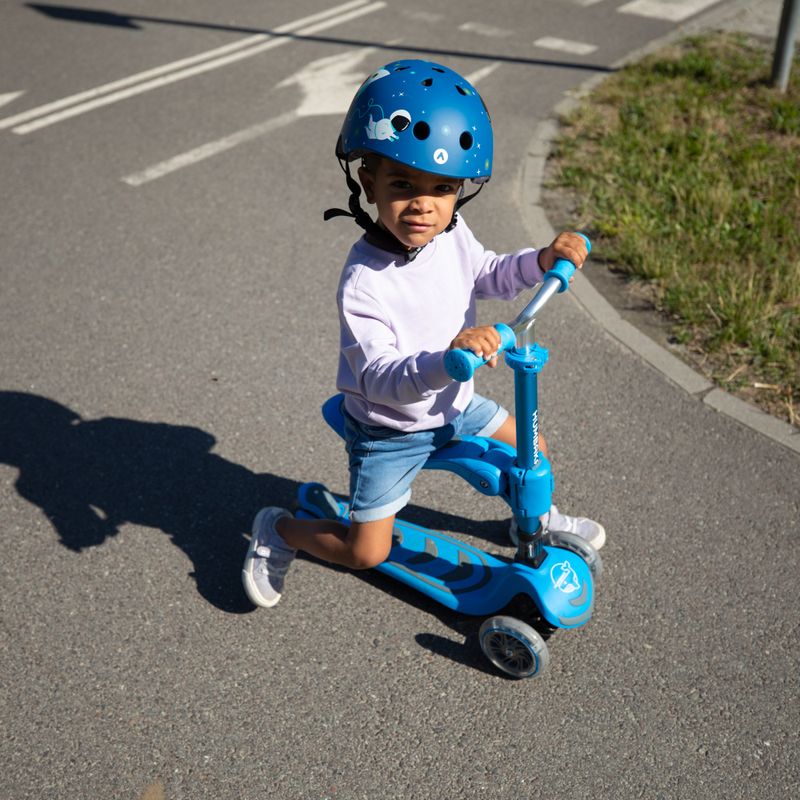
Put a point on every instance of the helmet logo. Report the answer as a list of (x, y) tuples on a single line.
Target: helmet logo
[(440, 156)]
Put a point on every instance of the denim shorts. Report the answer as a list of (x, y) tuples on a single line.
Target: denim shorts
[(385, 461)]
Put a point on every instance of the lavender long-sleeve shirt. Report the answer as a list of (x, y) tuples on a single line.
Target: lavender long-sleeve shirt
[(397, 321)]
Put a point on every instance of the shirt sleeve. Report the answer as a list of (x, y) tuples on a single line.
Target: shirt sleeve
[(502, 276), (378, 370)]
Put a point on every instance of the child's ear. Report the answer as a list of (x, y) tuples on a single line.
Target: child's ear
[(367, 180)]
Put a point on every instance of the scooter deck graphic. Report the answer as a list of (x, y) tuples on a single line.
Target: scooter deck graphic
[(466, 579), (445, 568)]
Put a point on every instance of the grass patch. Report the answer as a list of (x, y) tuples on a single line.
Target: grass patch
[(686, 169)]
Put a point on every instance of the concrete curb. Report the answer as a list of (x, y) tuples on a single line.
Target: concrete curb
[(669, 365)]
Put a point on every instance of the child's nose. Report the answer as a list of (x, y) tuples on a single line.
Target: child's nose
[(422, 202)]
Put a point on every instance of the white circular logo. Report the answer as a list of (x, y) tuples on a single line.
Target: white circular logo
[(564, 577), (441, 156)]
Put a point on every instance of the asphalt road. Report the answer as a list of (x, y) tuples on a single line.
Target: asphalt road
[(168, 335)]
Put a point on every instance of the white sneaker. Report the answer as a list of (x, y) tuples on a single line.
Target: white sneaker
[(589, 530), (268, 559)]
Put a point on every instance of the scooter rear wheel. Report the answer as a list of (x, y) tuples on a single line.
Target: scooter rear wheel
[(514, 647)]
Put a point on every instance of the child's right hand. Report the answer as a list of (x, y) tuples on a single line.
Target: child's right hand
[(570, 246), (484, 341)]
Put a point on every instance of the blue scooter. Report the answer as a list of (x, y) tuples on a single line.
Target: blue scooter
[(556, 571)]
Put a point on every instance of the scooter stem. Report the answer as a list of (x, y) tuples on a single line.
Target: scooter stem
[(527, 362), (530, 478)]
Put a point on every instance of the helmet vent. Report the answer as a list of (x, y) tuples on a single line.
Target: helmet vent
[(422, 130), (465, 140), (400, 69), (427, 82), (438, 69)]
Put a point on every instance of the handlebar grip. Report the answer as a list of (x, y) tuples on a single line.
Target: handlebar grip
[(461, 364), (563, 269)]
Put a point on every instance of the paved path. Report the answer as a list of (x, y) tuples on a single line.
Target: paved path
[(168, 338)]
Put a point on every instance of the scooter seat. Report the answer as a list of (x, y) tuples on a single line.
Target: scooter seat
[(481, 461), (332, 413)]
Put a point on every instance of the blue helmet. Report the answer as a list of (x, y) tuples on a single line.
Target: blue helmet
[(423, 115)]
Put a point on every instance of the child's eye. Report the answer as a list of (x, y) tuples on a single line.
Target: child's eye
[(445, 188), (398, 184)]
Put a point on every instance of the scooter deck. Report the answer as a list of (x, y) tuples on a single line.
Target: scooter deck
[(466, 579)]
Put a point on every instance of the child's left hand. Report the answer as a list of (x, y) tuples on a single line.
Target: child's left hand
[(484, 341), (566, 245)]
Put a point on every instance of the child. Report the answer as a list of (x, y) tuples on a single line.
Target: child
[(407, 294)]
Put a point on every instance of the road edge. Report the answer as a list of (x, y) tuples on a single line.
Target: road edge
[(665, 362)]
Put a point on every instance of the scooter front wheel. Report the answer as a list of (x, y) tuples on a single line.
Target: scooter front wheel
[(568, 541), (579, 546), (514, 647)]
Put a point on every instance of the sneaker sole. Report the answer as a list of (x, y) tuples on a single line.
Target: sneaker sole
[(599, 540), (250, 588)]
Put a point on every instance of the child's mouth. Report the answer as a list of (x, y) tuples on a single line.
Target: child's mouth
[(417, 227)]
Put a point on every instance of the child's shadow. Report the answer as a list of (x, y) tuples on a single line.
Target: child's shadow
[(89, 477)]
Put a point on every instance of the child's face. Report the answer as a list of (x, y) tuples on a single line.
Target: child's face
[(413, 205)]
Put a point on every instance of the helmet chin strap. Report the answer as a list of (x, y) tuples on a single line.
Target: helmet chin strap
[(462, 201), (356, 212), (377, 234)]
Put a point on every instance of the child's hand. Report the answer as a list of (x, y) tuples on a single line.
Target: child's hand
[(483, 341), (565, 245)]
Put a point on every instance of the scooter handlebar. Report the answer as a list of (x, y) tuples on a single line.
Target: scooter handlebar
[(563, 270), (461, 364)]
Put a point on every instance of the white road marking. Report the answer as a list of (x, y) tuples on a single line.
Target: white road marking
[(315, 81), (484, 30), (424, 16), (9, 97), (185, 68), (565, 45), (32, 113), (482, 73), (670, 10), (172, 66), (208, 150), (318, 98), (328, 84)]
